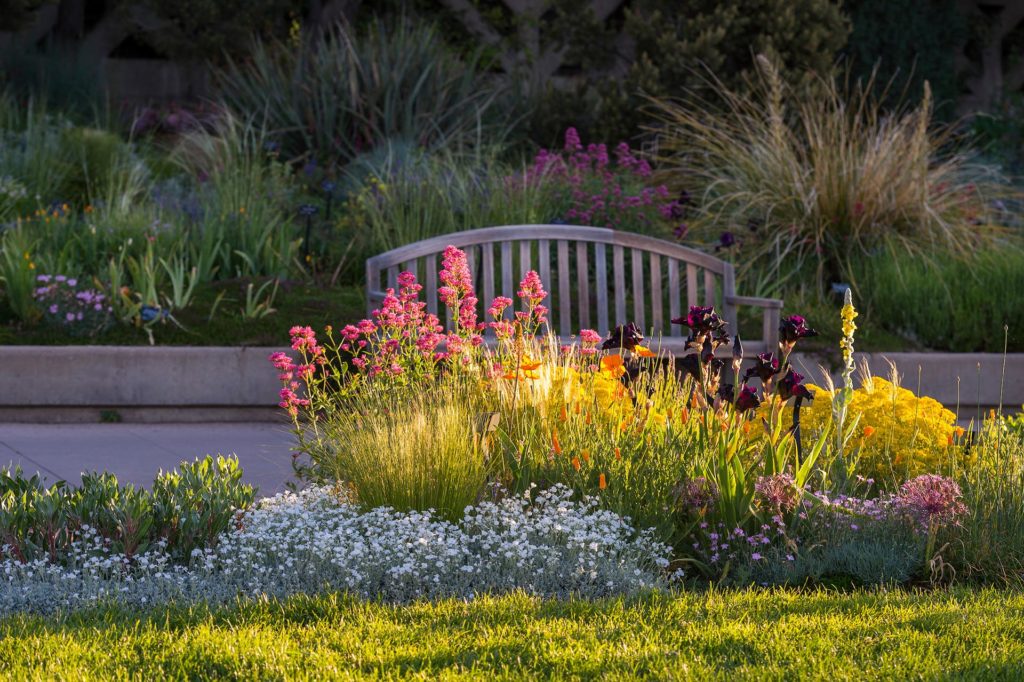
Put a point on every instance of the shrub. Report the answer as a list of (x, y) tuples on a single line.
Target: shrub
[(820, 179), (349, 93), (901, 435), (946, 303), (604, 192), (102, 524)]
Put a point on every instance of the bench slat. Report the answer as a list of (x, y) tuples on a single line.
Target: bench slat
[(430, 285), (392, 277), (709, 288), (583, 275), (638, 288), (544, 254), (673, 296), (506, 270), (488, 276), (524, 258), (564, 302), (619, 271), (602, 288), (657, 321), (691, 284)]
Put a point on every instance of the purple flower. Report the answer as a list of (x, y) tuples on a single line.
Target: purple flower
[(790, 386), (747, 399), (794, 328), (626, 337), (931, 498), (778, 492), (696, 495), (701, 320), (765, 367)]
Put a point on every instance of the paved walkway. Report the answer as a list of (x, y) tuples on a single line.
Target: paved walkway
[(136, 452)]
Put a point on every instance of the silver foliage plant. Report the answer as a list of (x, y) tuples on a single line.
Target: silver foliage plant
[(544, 544)]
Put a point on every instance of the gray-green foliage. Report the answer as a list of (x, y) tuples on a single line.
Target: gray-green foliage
[(188, 508), (348, 93)]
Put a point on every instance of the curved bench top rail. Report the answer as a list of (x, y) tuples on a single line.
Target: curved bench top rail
[(574, 233)]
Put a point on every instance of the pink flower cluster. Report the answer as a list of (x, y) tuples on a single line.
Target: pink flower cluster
[(457, 292), (932, 499), (85, 310), (599, 188), (303, 339)]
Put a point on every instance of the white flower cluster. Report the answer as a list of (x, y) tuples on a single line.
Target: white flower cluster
[(312, 541)]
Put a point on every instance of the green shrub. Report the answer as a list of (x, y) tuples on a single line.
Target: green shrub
[(187, 510), (945, 303)]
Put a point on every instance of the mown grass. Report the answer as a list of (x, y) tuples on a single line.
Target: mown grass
[(756, 634)]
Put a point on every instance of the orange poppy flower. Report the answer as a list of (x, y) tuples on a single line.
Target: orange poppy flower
[(555, 445), (618, 453), (684, 414), (869, 431), (601, 482), (576, 463), (612, 364), (644, 352), (586, 456), (563, 415)]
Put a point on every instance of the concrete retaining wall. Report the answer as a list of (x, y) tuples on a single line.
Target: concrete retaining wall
[(77, 383)]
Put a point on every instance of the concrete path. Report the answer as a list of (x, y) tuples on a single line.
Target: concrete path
[(136, 452)]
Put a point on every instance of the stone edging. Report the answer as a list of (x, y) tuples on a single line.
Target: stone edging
[(225, 379)]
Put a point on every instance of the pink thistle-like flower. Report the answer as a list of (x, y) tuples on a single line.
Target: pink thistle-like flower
[(777, 491), (697, 495), (931, 498), (589, 337)]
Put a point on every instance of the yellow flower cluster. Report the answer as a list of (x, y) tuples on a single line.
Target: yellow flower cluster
[(849, 327), (899, 435)]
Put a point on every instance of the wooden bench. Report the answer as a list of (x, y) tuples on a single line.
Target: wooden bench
[(596, 278)]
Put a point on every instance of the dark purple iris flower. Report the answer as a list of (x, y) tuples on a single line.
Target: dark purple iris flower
[(794, 328), (747, 399), (625, 336), (701, 320), (765, 367), (726, 240), (790, 386)]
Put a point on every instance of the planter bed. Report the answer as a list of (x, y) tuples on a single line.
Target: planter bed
[(191, 383)]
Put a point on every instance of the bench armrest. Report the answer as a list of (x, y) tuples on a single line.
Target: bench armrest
[(771, 310), (754, 301)]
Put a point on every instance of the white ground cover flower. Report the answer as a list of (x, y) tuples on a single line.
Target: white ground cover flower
[(309, 542)]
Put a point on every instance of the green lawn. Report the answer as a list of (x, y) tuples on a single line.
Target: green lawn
[(742, 635)]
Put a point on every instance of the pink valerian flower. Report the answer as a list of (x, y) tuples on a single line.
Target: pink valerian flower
[(284, 363), (503, 329), (457, 293), (498, 306), (531, 292), (304, 340), (290, 401), (589, 337), (930, 498)]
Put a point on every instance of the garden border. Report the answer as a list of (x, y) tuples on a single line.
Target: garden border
[(203, 383)]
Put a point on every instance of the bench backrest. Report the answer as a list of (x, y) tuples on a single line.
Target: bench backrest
[(595, 277)]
